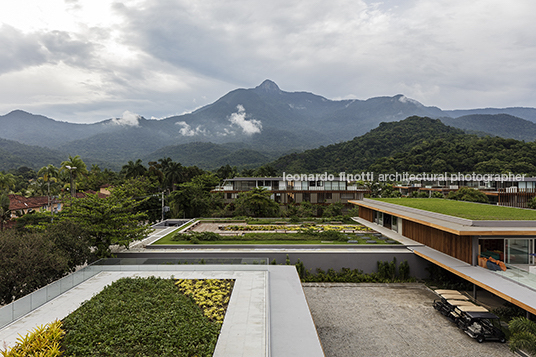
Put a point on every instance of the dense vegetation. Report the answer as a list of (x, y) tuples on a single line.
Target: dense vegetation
[(416, 145), (360, 153), (140, 317)]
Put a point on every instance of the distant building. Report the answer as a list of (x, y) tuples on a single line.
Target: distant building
[(287, 192), (508, 192)]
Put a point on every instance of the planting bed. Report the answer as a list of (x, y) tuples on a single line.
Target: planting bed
[(144, 317)]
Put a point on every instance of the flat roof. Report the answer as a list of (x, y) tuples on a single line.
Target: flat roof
[(267, 314), (507, 289), (451, 224)]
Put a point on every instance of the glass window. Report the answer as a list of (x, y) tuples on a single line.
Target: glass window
[(518, 251)]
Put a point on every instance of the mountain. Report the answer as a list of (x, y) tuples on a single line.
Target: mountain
[(503, 125), (14, 155), (264, 120), (520, 112), (361, 152), (39, 130), (415, 145)]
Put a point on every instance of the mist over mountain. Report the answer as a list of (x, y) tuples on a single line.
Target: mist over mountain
[(265, 121)]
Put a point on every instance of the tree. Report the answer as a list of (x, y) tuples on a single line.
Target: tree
[(174, 174), (523, 335), (133, 169), (333, 210), (75, 167), (29, 262), (48, 173), (69, 238), (193, 199), (7, 181), (256, 203), (532, 203), (227, 172), (468, 194), (266, 171), (111, 220), (5, 212)]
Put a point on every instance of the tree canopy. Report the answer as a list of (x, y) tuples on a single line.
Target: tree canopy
[(111, 220)]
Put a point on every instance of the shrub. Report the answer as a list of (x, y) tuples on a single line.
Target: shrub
[(403, 270), (43, 341), (140, 317)]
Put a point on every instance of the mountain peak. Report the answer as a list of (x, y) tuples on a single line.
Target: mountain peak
[(268, 86)]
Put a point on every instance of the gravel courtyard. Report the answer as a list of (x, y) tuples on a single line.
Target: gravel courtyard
[(388, 320)]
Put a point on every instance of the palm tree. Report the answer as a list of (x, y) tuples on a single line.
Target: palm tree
[(523, 335), (6, 181), (155, 170), (133, 169), (48, 173), (174, 174), (76, 167)]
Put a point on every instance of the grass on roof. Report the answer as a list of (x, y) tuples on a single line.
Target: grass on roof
[(468, 210)]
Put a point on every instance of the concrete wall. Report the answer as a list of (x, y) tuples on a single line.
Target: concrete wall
[(362, 260)]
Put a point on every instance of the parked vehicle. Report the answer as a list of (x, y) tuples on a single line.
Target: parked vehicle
[(476, 321), (482, 326)]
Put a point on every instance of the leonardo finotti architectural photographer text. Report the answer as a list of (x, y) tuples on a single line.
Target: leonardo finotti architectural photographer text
[(404, 176)]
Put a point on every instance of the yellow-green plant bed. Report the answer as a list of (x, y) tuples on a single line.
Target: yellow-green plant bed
[(43, 341), (212, 295)]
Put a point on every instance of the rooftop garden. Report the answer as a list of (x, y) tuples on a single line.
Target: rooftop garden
[(468, 210)]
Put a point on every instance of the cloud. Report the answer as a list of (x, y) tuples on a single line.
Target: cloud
[(128, 119), (19, 50), (80, 61), (187, 130), (248, 127)]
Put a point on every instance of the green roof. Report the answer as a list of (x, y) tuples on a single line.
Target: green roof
[(462, 209)]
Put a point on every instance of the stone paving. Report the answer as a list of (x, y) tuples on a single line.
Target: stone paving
[(388, 320)]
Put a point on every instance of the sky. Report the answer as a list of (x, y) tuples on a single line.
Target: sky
[(89, 60)]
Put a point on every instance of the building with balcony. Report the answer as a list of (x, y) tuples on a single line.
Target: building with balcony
[(496, 255), (285, 191), (507, 192)]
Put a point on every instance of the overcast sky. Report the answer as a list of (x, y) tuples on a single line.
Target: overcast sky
[(89, 60)]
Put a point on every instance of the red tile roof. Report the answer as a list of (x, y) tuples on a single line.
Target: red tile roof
[(18, 202)]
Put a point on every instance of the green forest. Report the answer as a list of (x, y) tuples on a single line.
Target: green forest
[(415, 145)]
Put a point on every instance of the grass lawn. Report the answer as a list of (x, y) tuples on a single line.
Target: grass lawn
[(468, 210)]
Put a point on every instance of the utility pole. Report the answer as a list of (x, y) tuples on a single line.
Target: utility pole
[(162, 206)]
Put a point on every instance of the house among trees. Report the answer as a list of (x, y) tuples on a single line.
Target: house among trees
[(20, 205)]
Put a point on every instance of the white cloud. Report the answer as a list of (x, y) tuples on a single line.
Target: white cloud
[(165, 57), (128, 119), (187, 130), (248, 127)]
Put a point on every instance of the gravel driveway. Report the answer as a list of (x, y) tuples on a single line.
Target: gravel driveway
[(388, 320)]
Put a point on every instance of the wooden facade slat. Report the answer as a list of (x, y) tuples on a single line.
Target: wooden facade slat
[(366, 213), (456, 246)]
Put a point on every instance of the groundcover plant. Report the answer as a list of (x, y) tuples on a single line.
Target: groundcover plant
[(143, 317)]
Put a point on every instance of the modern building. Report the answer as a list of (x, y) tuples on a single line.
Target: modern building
[(289, 191), (484, 252), (505, 192)]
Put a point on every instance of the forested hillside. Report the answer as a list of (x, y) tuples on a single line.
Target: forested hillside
[(14, 155), (464, 153), (416, 145), (361, 152)]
